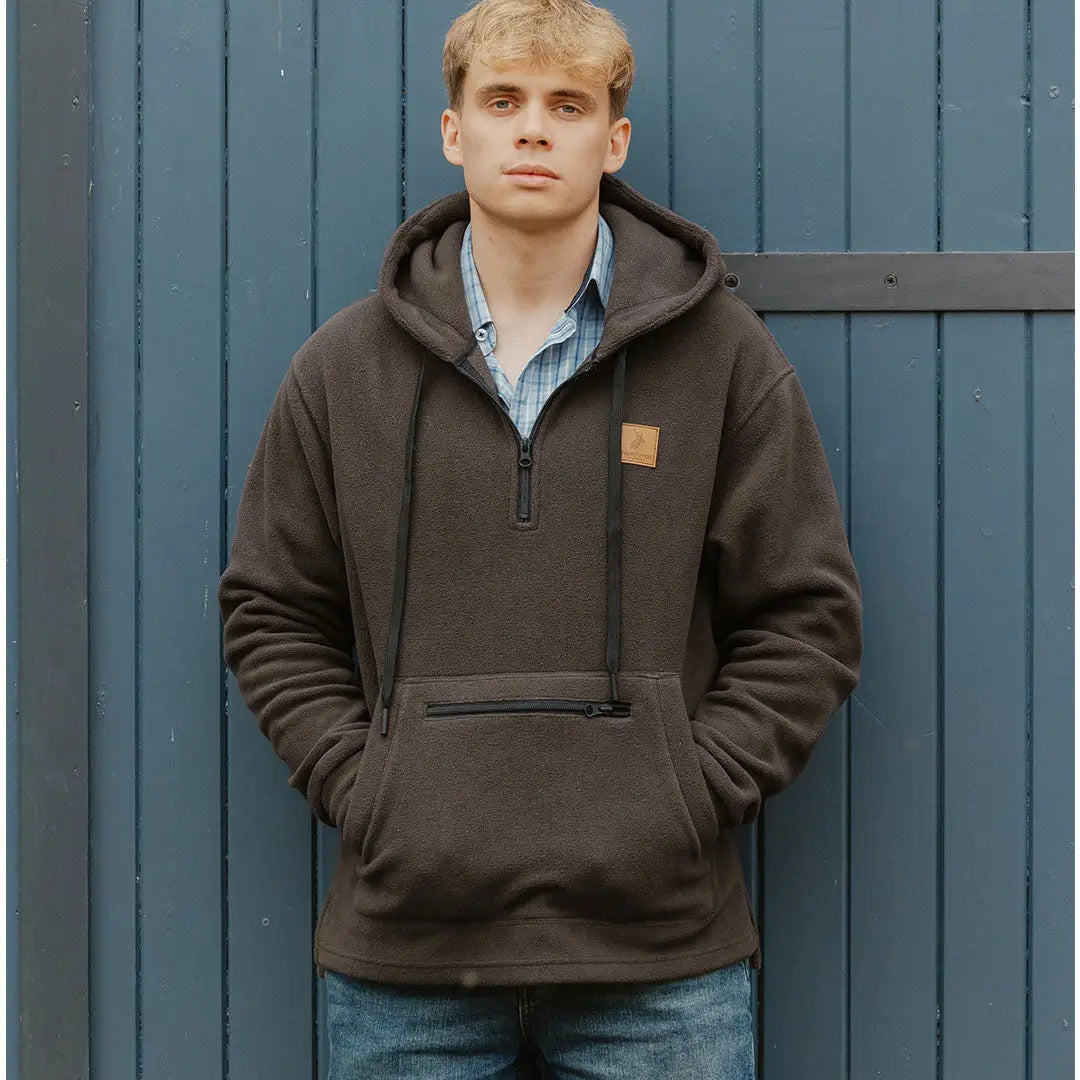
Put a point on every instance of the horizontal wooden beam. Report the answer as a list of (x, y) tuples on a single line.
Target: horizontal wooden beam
[(903, 280)]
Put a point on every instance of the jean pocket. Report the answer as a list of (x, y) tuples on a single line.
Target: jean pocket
[(531, 795)]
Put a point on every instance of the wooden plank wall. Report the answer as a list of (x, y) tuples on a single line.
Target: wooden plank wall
[(914, 887)]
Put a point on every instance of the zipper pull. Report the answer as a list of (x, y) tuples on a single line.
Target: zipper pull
[(607, 708), (524, 496)]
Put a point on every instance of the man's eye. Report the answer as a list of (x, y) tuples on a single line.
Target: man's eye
[(505, 101)]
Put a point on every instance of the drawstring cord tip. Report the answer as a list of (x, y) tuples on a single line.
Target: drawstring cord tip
[(385, 714)]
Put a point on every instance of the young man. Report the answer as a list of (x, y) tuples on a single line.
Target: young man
[(564, 493)]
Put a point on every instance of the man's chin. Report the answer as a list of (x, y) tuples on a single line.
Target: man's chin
[(525, 208)]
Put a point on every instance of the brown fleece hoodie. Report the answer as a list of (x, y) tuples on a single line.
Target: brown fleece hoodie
[(581, 659)]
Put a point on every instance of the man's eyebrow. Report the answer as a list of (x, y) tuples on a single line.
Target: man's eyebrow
[(512, 88)]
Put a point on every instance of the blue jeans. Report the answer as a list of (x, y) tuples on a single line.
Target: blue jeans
[(700, 1028)]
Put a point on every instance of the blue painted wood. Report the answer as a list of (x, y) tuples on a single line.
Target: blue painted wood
[(892, 994), (716, 135), (1052, 901), (805, 865), (983, 576), (358, 138), (892, 877), (427, 173), (985, 557), (804, 869), (892, 935), (1053, 117), (113, 477), (647, 163), (11, 610), (49, 203), (715, 155), (115, 425), (270, 310), (180, 851), (1052, 938)]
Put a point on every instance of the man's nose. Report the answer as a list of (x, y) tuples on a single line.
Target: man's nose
[(534, 124)]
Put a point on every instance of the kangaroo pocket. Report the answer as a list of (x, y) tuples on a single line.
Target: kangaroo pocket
[(527, 796)]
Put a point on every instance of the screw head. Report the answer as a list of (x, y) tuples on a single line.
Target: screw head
[(890, 281), (731, 281)]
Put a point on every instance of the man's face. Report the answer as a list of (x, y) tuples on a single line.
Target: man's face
[(528, 116)]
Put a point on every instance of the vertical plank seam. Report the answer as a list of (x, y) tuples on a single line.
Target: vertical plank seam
[(759, 125), (939, 749), (137, 603), (404, 84), (314, 846), (670, 105), (846, 894), (223, 526), (758, 834), (1029, 555)]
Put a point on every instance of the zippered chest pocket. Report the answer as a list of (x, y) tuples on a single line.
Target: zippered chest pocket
[(577, 706)]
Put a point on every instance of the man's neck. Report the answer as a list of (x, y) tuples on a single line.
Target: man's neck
[(525, 272)]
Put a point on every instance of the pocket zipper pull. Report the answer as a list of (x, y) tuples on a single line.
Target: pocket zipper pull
[(599, 708)]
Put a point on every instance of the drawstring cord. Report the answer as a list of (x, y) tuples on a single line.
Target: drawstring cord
[(614, 537), (614, 524), (390, 661)]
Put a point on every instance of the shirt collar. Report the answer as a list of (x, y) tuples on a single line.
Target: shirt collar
[(601, 270)]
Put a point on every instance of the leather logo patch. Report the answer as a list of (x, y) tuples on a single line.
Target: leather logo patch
[(639, 443)]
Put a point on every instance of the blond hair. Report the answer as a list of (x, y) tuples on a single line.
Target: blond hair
[(585, 40)]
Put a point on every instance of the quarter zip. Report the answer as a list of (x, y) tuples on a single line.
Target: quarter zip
[(555, 705), (526, 442), (613, 531), (524, 492)]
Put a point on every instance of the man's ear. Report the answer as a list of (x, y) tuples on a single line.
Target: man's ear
[(618, 145), (451, 131)]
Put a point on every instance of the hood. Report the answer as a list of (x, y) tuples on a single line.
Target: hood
[(664, 264)]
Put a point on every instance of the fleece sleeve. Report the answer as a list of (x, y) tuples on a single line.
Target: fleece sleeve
[(283, 597), (788, 611)]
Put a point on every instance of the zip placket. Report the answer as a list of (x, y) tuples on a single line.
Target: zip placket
[(525, 442), (614, 514)]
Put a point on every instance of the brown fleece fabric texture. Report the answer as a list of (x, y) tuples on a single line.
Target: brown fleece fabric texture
[(521, 842)]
